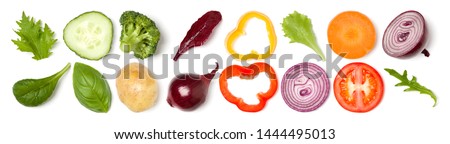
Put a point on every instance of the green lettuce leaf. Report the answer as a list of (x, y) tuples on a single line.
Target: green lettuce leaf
[(298, 28), (34, 38)]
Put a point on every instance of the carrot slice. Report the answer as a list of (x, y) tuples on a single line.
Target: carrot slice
[(353, 33)]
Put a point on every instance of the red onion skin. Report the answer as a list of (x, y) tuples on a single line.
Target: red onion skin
[(188, 91), (419, 47)]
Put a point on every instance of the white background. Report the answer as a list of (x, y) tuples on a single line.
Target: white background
[(400, 118)]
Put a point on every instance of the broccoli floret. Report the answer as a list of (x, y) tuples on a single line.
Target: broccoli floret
[(139, 34)]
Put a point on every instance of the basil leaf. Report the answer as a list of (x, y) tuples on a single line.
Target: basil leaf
[(34, 92), (91, 89)]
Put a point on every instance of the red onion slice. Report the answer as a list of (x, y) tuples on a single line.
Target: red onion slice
[(405, 35), (305, 87)]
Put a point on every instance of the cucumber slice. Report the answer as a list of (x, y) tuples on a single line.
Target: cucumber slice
[(89, 35)]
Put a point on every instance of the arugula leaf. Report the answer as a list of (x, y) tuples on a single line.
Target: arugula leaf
[(91, 89), (412, 84), (34, 92), (298, 28), (34, 38)]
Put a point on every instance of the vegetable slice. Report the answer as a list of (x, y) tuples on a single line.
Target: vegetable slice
[(305, 87), (34, 38), (89, 35), (351, 34), (199, 32), (91, 89), (406, 35), (412, 84), (249, 73), (240, 30), (34, 92), (360, 89), (298, 28)]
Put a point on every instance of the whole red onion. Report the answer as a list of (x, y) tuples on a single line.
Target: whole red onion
[(189, 91)]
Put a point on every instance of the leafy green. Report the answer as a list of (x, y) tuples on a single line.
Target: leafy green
[(34, 38), (139, 34), (34, 92), (412, 84), (91, 89), (298, 28)]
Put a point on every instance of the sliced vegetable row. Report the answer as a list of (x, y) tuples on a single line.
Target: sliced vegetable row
[(351, 34), (305, 87), (358, 87)]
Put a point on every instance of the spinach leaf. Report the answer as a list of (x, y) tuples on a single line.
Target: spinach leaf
[(91, 89), (34, 92)]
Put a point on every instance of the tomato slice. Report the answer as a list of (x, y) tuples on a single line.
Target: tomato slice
[(362, 88)]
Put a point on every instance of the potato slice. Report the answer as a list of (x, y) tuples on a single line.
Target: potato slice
[(136, 88)]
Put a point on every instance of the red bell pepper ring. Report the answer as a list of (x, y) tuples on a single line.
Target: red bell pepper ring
[(248, 73)]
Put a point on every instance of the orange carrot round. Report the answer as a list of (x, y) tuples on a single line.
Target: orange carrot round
[(351, 33)]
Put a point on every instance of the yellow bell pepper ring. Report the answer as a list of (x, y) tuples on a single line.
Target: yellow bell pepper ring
[(240, 30)]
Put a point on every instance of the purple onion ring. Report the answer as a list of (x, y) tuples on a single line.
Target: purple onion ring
[(406, 35), (305, 87)]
